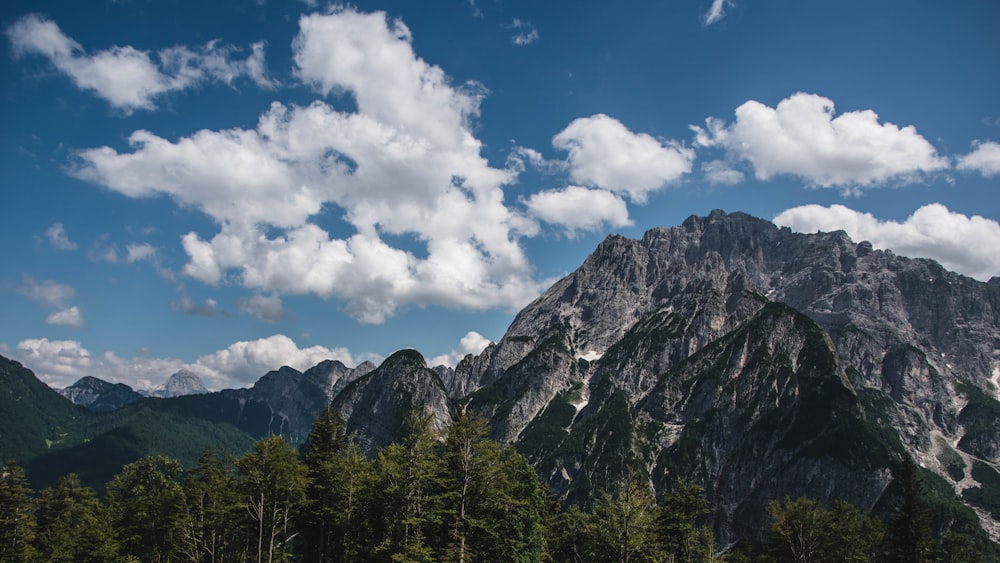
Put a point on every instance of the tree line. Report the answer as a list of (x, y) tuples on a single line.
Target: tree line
[(453, 495)]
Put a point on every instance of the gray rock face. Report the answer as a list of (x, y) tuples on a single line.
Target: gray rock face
[(914, 350), (179, 384), (376, 405), (99, 395)]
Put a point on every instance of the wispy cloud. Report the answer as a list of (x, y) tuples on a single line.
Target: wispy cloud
[(58, 238), (526, 34), (130, 79), (715, 12)]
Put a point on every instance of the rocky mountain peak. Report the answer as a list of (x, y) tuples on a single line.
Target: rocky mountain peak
[(181, 383)]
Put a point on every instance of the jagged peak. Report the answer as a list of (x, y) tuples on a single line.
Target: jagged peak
[(404, 357)]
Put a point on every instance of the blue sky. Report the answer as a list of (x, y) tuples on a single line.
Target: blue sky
[(233, 186)]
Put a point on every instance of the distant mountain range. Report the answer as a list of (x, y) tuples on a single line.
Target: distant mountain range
[(756, 361)]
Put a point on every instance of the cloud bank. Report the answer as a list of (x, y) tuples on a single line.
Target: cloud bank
[(60, 363), (967, 245)]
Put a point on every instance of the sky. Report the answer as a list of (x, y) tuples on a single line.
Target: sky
[(233, 186)]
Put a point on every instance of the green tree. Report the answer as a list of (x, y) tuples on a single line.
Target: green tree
[(148, 510), (910, 539), (569, 536), (213, 530), (272, 484), (17, 525), (492, 500), (73, 525), (804, 530), (680, 522), (625, 523), (407, 505), (337, 477)]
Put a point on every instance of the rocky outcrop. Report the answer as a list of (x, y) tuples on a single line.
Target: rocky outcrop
[(597, 376), (179, 384), (99, 395), (375, 407)]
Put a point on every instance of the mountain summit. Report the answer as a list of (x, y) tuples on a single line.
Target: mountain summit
[(761, 362)]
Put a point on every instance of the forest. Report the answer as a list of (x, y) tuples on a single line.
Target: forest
[(449, 495)]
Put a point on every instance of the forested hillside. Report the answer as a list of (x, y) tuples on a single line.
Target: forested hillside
[(454, 495)]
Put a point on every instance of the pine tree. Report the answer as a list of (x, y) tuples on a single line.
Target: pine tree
[(625, 523), (337, 475), (406, 493), (910, 538), (680, 523), (17, 526), (72, 524), (148, 510)]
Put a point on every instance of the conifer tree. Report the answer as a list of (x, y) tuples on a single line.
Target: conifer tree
[(148, 510), (625, 523), (72, 524), (337, 477), (407, 485), (17, 525), (910, 538)]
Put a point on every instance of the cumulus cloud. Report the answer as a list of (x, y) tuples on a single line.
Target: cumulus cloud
[(967, 245), (985, 159), (60, 363), (405, 163), (66, 317), (246, 361), (472, 343), (525, 33), (801, 137), (603, 153), (130, 79), (579, 209), (263, 307), (58, 238)]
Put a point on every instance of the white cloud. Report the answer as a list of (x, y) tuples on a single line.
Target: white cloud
[(58, 238), (579, 209), (603, 153), (985, 159), (130, 79), (720, 172), (263, 307), (56, 362), (472, 343), (405, 164), (802, 137), (66, 317), (526, 34), (47, 292), (247, 361), (967, 245), (715, 12), (61, 363)]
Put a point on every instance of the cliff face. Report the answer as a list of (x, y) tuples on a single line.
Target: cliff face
[(375, 406), (759, 361)]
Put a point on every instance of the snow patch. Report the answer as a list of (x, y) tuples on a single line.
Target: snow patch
[(996, 380), (590, 356)]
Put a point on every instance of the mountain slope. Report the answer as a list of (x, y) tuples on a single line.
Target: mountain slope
[(99, 395)]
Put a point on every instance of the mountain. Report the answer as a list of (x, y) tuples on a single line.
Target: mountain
[(51, 436), (99, 395), (181, 383), (756, 361)]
